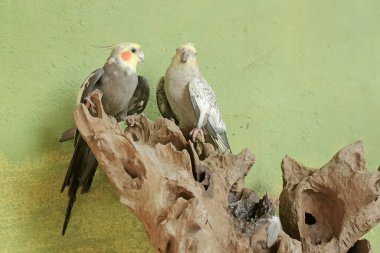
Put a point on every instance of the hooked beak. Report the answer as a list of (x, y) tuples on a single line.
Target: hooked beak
[(141, 56), (184, 56)]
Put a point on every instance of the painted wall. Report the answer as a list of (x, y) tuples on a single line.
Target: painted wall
[(292, 77)]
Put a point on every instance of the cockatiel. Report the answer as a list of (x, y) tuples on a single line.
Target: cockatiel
[(124, 94), (185, 96), (137, 104)]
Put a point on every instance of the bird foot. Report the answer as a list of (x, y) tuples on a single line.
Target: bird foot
[(197, 134), (130, 120)]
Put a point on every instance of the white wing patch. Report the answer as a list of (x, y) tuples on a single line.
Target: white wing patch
[(203, 97), (208, 113)]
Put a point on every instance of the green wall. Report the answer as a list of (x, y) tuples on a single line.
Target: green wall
[(292, 77)]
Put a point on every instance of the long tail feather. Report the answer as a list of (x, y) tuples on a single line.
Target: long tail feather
[(67, 215), (220, 138), (92, 164), (221, 141), (80, 172)]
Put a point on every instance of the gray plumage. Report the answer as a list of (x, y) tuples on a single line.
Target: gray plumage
[(137, 103), (163, 103), (140, 97), (185, 96), (118, 82)]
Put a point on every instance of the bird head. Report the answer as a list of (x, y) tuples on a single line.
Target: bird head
[(185, 54), (127, 56)]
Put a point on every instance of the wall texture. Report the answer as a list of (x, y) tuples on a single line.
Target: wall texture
[(292, 77)]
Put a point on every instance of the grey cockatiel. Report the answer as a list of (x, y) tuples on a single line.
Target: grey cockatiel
[(137, 104), (124, 93), (185, 96)]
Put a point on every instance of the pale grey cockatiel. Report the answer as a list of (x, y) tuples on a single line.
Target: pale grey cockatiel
[(124, 94), (185, 96)]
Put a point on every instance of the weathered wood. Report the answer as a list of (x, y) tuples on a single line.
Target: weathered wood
[(331, 208), (192, 199), (187, 201)]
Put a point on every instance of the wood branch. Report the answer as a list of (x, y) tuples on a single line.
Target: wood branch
[(192, 199), (330, 209), (188, 201)]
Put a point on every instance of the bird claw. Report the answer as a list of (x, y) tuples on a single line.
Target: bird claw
[(195, 133), (130, 120), (90, 105), (88, 100)]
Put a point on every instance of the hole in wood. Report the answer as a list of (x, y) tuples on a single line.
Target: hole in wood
[(180, 192), (361, 246), (309, 219), (323, 215), (204, 178), (169, 246), (134, 137), (192, 161), (185, 195), (377, 186), (201, 176)]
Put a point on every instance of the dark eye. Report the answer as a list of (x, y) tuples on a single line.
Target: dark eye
[(133, 50), (195, 53)]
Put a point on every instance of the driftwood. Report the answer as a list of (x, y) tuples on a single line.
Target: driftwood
[(192, 199), (331, 208)]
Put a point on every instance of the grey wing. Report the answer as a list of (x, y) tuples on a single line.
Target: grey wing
[(207, 111), (83, 164), (89, 84), (140, 97), (163, 103)]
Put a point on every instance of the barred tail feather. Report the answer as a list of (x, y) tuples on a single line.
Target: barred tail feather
[(221, 141)]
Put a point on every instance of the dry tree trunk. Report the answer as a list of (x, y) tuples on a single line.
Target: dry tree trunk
[(192, 199), (331, 208), (182, 198)]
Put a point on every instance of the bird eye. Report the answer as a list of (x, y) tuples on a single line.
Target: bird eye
[(133, 50), (195, 53)]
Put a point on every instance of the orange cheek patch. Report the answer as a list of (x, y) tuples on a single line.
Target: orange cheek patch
[(126, 55)]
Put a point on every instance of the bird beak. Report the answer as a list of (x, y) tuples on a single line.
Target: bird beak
[(184, 56), (141, 56)]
